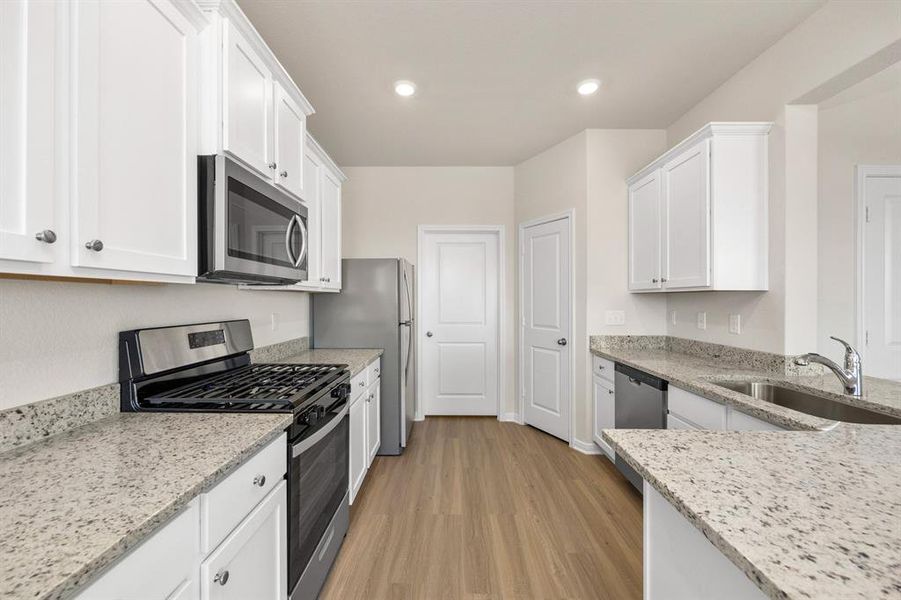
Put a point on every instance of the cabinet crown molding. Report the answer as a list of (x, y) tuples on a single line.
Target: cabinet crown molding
[(713, 129), (230, 10), (313, 145)]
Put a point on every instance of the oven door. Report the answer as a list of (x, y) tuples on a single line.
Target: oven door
[(317, 487), (260, 231)]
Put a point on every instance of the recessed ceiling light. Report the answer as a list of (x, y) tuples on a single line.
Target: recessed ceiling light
[(589, 86), (404, 88)]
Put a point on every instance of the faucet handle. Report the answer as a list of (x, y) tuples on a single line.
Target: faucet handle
[(852, 356)]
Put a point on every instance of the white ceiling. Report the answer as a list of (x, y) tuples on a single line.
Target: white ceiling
[(496, 79)]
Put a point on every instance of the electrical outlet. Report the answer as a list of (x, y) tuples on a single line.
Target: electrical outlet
[(702, 320), (672, 317), (615, 317), (735, 324), (276, 319)]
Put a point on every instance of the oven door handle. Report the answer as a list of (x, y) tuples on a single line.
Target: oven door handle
[(311, 441)]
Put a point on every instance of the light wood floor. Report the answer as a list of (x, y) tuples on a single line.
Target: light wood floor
[(476, 508)]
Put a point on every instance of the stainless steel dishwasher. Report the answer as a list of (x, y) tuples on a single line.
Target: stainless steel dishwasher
[(640, 404)]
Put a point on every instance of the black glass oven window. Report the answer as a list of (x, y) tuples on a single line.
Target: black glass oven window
[(257, 226), (318, 483)]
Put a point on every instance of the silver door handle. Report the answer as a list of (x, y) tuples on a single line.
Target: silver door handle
[(288, 233), (316, 437), (429, 334), (303, 243), (561, 342), (48, 236)]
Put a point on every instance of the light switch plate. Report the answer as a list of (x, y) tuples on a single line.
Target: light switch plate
[(702, 320), (735, 324), (615, 317), (276, 318)]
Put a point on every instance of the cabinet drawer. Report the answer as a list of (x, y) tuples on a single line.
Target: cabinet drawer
[(374, 371), (674, 422), (702, 412), (358, 384), (739, 421), (223, 507), (602, 368)]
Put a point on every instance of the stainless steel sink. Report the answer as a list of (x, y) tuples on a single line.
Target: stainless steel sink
[(808, 403)]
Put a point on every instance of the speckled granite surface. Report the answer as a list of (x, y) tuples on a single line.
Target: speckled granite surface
[(802, 514), (75, 502), (696, 374), (356, 359), (276, 352)]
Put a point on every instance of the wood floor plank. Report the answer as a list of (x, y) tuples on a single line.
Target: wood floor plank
[(480, 509)]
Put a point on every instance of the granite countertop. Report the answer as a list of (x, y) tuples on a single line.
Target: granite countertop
[(73, 503), (696, 374), (803, 514), (356, 359)]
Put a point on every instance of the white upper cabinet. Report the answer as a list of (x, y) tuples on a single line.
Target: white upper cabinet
[(290, 137), (134, 122), (30, 229), (686, 213), (246, 102), (698, 214), (644, 233), (330, 230)]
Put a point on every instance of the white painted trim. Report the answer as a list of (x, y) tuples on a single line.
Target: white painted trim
[(861, 173), (510, 417), (585, 447), (500, 231), (570, 216)]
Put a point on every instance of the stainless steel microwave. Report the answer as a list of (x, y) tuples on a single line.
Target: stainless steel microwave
[(248, 230)]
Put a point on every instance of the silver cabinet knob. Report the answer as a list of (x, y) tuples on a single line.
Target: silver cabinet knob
[(609, 391), (663, 280), (272, 165), (654, 280), (377, 370), (95, 245), (561, 342), (48, 236), (429, 334), (362, 383), (259, 480), (221, 577), (283, 174)]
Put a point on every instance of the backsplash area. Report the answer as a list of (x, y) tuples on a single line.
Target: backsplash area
[(58, 338)]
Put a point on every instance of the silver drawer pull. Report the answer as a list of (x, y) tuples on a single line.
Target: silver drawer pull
[(95, 245), (259, 480), (48, 236), (284, 174), (221, 577)]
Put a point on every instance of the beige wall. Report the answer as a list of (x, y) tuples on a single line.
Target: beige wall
[(57, 338), (384, 206), (828, 44), (862, 128)]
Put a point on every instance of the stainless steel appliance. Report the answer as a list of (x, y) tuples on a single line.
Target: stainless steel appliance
[(248, 230), (640, 404), (376, 309), (206, 367)]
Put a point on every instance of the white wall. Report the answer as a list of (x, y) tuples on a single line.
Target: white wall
[(57, 338), (861, 127), (831, 42), (384, 206)]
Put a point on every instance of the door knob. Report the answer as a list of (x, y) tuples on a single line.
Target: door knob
[(561, 342), (48, 236), (429, 334), (95, 245)]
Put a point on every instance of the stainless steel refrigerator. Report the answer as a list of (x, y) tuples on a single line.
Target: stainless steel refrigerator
[(376, 309)]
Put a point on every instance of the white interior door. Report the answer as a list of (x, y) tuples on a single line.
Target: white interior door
[(546, 326), (882, 275), (459, 323)]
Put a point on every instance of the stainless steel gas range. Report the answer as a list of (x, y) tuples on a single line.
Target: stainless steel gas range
[(206, 367)]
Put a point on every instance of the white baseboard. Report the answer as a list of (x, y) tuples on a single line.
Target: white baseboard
[(509, 416), (585, 447)]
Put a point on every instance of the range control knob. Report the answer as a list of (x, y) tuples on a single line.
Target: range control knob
[(311, 418)]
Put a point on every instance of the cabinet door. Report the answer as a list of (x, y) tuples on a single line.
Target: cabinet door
[(134, 199), (330, 225), (252, 561), (373, 420), (27, 41), (311, 188), (290, 134), (164, 567), (357, 459), (604, 412), (246, 103), (686, 215), (644, 233)]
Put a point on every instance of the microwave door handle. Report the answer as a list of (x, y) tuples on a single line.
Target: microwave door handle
[(288, 232), (303, 243)]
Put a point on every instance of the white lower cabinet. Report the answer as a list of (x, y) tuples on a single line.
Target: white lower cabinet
[(249, 553), (373, 420), (365, 424), (604, 412), (252, 561), (357, 459), (690, 411), (681, 564)]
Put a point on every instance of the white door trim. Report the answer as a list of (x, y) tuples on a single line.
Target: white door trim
[(499, 231), (862, 172), (570, 216)]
